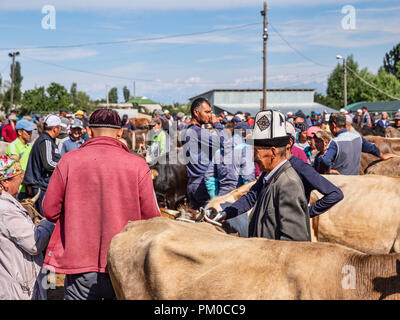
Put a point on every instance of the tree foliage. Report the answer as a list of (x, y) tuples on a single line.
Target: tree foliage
[(391, 61), (113, 95), (127, 94), (357, 90)]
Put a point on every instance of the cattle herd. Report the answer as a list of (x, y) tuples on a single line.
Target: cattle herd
[(354, 253)]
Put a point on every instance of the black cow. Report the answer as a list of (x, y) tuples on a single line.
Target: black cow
[(170, 182)]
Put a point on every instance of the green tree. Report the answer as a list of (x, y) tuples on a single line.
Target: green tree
[(74, 92), (127, 94), (113, 95), (391, 61), (58, 97), (327, 101), (17, 88), (34, 101)]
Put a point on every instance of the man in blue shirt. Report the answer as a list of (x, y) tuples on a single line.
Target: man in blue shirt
[(343, 154), (74, 139), (234, 166), (199, 146)]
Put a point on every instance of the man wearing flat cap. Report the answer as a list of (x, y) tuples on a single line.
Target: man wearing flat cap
[(118, 189), (281, 208)]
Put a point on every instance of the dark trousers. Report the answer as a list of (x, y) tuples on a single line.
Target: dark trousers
[(88, 286)]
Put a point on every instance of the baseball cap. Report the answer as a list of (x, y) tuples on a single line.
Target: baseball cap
[(241, 125), (299, 114), (79, 113), (180, 114), (359, 110), (236, 119), (13, 117), (77, 124), (312, 130), (24, 125), (52, 121)]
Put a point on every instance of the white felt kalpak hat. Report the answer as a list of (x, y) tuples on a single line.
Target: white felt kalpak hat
[(270, 129)]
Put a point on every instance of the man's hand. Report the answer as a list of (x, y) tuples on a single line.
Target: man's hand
[(333, 171), (220, 217), (213, 119), (387, 156)]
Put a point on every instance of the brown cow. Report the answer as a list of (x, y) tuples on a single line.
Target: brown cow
[(385, 145), (140, 123), (371, 164), (367, 219), (392, 132), (165, 259)]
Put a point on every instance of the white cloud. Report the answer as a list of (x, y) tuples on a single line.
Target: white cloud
[(216, 59), (59, 54)]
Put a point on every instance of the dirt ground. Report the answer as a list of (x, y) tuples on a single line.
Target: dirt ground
[(58, 292)]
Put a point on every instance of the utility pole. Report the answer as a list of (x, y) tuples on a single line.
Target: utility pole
[(265, 38), (345, 82), (134, 89), (12, 55)]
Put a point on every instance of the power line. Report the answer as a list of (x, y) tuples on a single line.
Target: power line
[(181, 35), (296, 50), (371, 85)]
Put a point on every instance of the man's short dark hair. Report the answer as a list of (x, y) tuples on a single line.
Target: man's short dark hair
[(364, 108), (338, 119), (196, 104)]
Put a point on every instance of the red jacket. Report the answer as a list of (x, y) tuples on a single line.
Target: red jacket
[(9, 133), (92, 194)]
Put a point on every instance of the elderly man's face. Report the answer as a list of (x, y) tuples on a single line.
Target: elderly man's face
[(264, 158)]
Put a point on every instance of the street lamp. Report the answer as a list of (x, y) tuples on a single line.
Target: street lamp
[(12, 55), (344, 79)]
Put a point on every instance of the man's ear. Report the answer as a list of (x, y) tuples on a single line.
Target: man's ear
[(90, 132), (119, 133)]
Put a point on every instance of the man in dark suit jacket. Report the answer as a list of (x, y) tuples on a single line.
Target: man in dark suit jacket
[(281, 210)]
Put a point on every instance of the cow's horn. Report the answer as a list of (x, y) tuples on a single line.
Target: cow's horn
[(34, 199)]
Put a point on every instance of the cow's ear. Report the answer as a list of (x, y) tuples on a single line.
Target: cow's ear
[(154, 173)]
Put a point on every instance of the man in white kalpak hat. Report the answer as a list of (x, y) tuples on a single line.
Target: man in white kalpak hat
[(281, 209)]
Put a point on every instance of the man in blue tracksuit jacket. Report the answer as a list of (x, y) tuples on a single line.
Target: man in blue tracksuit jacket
[(232, 167), (200, 146), (343, 154)]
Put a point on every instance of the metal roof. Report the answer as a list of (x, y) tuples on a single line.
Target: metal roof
[(378, 106), (250, 90)]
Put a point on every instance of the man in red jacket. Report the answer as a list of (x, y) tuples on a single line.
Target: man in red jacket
[(9, 132), (93, 193)]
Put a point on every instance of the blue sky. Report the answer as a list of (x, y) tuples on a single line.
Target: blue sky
[(176, 69)]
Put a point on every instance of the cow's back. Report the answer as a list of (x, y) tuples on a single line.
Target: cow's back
[(368, 219), (165, 259)]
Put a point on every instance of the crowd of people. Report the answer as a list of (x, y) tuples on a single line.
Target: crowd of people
[(89, 184)]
